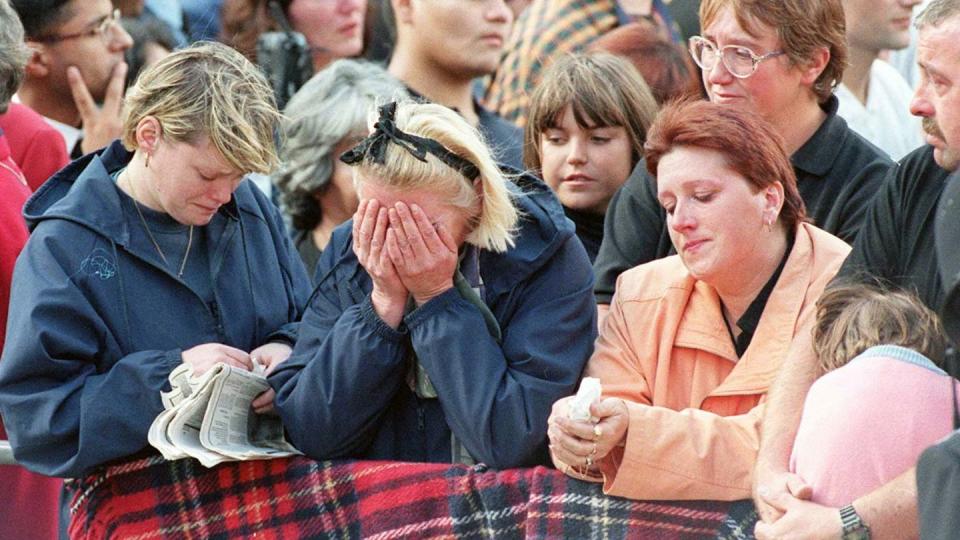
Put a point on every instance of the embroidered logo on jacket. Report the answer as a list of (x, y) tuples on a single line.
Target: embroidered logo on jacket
[(100, 264)]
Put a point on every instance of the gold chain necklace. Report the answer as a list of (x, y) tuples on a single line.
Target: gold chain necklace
[(143, 221)]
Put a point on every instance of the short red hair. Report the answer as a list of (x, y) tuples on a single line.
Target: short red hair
[(749, 143)]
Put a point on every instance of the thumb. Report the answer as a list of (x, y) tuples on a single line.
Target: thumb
[(605, 407), (763, 530), (798, 488)]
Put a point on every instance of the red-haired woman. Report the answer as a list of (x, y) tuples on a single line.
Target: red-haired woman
[(693, 341)]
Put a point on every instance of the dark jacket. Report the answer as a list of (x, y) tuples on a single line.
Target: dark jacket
[(344, 392), (896, 243), (96, 324)]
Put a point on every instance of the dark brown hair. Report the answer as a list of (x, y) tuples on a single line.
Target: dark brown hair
[(666, 68), (604, 91), (244, 20)]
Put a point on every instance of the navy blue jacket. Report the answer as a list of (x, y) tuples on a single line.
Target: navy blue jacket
[(97, 323), (344, 392)]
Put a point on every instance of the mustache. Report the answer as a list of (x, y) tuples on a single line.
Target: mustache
[(931, 127)]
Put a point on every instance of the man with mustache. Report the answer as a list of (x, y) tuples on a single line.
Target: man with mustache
[(441, 47), (896, 244)]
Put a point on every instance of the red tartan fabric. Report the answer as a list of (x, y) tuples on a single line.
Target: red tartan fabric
[(301, 498)]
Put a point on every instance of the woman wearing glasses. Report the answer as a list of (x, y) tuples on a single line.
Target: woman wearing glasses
[(781, 60), (693, 341), (151, 253)]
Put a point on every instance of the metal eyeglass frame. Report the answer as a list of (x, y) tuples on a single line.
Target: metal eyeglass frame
[(99, 31), (720, 53)]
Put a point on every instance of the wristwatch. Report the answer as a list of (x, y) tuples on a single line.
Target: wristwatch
[(853, 527)]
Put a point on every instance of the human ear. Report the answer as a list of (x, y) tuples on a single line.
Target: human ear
[(402, 11), (773, 196), (812, 69), (38, 65), (148, 134)]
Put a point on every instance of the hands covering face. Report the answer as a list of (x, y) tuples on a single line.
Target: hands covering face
[(404, 253)]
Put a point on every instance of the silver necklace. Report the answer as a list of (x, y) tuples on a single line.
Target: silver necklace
[(143, 221)]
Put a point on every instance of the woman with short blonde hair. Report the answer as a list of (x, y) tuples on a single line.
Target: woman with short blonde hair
[(149, 254), (448, 315)]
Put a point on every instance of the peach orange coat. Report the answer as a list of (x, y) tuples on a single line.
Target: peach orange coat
[(695, 408)]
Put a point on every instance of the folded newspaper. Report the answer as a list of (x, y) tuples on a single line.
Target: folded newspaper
[(210, 418)]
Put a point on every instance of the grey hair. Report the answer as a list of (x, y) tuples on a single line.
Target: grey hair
[(936, 12), (331, 106), (13, 54)]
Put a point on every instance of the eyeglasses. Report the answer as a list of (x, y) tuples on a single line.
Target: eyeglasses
[(101, 30), (740, 61)]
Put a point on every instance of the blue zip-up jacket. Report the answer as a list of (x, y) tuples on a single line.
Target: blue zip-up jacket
[(97, 324), (344, 391)]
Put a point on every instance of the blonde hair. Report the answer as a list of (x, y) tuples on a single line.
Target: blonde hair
[(495, 220), (208, 89), (854, 316)]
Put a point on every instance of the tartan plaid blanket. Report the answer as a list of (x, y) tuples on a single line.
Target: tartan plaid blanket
[(301, 498)]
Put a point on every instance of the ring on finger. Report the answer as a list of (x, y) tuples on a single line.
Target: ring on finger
[(597, 432)]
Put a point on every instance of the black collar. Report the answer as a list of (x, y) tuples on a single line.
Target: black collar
[(817, 155), (748, 322)]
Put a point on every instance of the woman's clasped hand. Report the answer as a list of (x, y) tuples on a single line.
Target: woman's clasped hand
[(581, 443)]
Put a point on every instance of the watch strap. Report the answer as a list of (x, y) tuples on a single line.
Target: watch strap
[(853, 526)]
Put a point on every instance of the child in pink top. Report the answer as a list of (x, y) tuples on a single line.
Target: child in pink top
[(884, 399)]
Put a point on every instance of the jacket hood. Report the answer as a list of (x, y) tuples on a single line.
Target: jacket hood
[(541, 230), (82, 192), (77, 192)]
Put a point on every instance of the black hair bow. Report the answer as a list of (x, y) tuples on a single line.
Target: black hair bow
[(386, 131)]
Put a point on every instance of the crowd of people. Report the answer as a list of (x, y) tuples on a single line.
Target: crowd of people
[(738, 216)]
